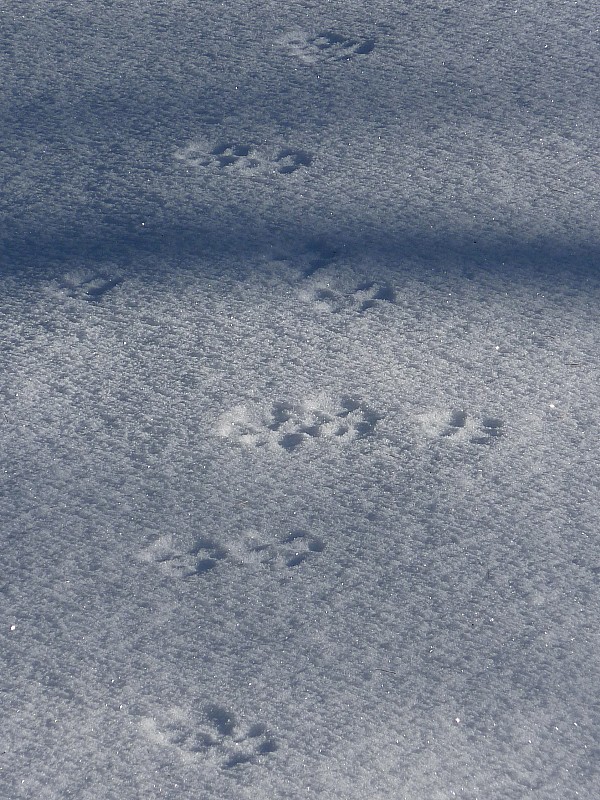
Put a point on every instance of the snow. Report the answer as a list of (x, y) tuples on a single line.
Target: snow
[(298, 367)]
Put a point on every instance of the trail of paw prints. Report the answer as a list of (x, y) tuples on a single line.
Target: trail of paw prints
[(326, 46), (89, 286), (243, 159), (215, 737), (367, 295), (458, 426), (289, 425)]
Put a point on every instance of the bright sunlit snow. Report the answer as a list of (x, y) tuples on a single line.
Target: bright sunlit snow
[(299, 335)]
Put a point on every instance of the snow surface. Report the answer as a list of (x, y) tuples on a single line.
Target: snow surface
[(299, 378)]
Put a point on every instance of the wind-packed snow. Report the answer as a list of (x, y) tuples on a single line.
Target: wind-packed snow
[(299, 339)]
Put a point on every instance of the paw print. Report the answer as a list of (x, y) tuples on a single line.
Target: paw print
[(216, 737), (299, 547), (203, 557), (235, 744), (369, 294), (291, 551), (456, 423), (224, 156), (288, 161), (460, 427), (206, 555), (325, 299), (89, 287), (491, 428), (290, 425), (295, 425), (336, 47), (232, 157), (326, 46)]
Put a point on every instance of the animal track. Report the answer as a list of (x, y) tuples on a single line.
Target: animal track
[(216, 737), (459, 426), (369, 294), (89, 286), (290, 425), (291, 551), (288, 161), (491, 428), (243, 159), (206, 554), (327, 46), (225, 156)]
